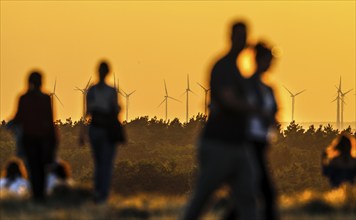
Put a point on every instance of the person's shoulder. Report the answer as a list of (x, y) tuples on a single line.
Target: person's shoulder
[(110, 88), (221, 62), (92, 88)]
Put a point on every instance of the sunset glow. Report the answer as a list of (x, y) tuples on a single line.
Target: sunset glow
[(147, 42)]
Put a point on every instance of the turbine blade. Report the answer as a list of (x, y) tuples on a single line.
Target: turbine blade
[(347, 92), (173, 99), (125, 94), (54, 88), (183, 93), (161, 102), (192, 92), (188, 81), (76, 88), (131, 93), (334, 100), (299, 92), (288, 91), (165, 87), (201, 86), (340, 84), (86, 87), (58, 100)]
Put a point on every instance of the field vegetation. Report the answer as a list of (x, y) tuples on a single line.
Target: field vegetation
[(155, 171)]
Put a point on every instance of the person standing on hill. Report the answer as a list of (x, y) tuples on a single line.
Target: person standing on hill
[(224, 154), (105, 131), (35, 117)]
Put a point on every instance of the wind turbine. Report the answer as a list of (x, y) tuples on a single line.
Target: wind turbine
[(84, 92), (341, 96), (127, 97), (187, 90), (124, 94), (53, 94), (293, 99), (166, 97), (205, 98)]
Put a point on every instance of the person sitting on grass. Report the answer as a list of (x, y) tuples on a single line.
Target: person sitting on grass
[(59, 176), (13, 181), (339, 160)]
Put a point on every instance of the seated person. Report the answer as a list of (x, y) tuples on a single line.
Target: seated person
[(339, 161), (13, 181), (59, 176)]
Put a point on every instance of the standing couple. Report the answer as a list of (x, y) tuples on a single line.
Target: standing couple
[(234, 140)]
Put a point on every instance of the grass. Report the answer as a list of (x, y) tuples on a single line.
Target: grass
[(76, 204)]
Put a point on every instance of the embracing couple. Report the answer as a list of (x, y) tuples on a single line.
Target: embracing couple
[(232, 148)]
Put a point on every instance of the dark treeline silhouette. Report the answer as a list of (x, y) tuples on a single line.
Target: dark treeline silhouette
[(161, 155)]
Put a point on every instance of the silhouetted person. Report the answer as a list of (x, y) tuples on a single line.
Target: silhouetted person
[(341, 168), (104, 131), (13, 179), (35, 117), (259, 127), (223, 152)]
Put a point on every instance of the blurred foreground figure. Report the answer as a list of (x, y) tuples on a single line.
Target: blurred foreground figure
[(224, 153), (105, 131), (339, 160), (13, 181), (260, 127), (35, 117)]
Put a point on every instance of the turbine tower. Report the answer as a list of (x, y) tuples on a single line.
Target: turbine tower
[(166, 97), (293, 99), (53, 94), (205, 97), (341, 96), (127, 97), (337, 99), (84, 91), (187, 91)]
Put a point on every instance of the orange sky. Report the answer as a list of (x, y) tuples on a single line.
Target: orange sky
[(147, 42)]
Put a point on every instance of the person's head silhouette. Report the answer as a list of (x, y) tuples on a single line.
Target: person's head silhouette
[(344, 145), (263, 57), (238, 37), (103, 70), (14, 168), (35, 80)]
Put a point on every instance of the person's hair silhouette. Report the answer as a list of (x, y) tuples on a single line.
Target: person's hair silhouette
[(35, 80), (238, 37), (14, 168)]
